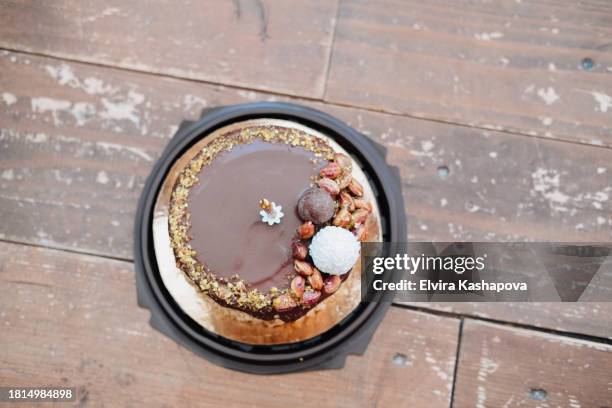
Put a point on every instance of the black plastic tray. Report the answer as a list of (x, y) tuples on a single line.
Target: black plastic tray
[(328, 350)]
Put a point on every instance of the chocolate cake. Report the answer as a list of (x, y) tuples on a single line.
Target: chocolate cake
[(264, 220)]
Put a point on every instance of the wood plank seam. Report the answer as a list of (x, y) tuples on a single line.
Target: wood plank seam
[(331, 51), (568, 334), (457, 359), (514, 132), (297, 99), (66, 249)]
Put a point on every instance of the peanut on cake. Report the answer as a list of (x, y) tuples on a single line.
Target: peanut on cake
[(267, 220)]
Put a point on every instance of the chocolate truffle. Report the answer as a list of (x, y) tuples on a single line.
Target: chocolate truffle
[(316, 205)]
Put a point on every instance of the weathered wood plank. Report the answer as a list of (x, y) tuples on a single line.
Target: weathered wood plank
[(78, 141), (591, 318), (512, 65), (507, 367), (72, 320), (465, 184), (264, 44)]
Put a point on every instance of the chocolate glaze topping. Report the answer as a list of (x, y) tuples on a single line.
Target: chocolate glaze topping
[(226, 229)]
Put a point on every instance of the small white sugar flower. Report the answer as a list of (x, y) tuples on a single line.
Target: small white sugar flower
[(273, 215)]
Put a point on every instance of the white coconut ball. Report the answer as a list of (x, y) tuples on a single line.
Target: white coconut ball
[(334, 250)]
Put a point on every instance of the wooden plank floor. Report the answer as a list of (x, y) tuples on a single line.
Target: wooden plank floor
[(505, 366), (500, 127), (72, 319), (243, 42), (94, 135), (512, 65)]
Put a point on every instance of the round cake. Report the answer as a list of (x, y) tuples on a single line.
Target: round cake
[(263, 220)]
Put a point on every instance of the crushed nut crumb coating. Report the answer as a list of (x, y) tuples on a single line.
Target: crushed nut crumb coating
[(232, 292)]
